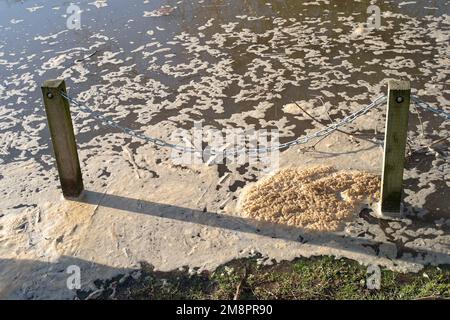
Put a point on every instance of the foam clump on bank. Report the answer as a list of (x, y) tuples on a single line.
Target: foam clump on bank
[(318, 198)]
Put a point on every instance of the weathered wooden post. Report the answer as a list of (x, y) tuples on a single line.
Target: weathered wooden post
[(394, 147), (59, 121)]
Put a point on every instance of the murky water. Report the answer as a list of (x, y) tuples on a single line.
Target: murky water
[(226, 63)]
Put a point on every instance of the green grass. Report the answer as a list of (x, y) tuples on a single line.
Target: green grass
[(315, 278)]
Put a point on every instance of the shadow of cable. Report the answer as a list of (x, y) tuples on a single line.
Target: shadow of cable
[(359, 244), (29, 279)]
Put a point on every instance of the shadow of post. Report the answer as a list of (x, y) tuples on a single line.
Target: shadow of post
[(29, 279), (335, 240)]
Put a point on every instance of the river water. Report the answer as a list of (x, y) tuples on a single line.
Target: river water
[(160, 65)]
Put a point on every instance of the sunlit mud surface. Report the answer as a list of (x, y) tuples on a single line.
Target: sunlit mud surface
[(155, 66)]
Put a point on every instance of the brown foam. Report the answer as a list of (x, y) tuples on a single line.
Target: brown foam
[(318, 198)]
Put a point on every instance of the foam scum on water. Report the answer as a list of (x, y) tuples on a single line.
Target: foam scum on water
[(318, 198)]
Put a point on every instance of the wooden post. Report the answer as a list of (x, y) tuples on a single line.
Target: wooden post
[(394, 147), (59, 121)]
